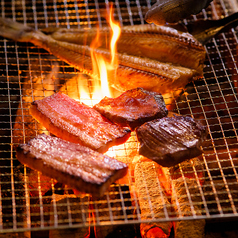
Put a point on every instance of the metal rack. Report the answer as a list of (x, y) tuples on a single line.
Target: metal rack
[(30, 201)]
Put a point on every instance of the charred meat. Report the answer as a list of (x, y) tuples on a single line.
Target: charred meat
[(133, 108), (77, 122), (75, 165), (171, 140)]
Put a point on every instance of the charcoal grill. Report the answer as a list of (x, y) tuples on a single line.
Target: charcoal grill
[(28, 73)]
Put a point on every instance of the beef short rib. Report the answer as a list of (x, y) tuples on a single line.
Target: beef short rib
[(133, 108), (171, 140)]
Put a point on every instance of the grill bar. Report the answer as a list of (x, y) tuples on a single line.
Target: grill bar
[(29, 202)]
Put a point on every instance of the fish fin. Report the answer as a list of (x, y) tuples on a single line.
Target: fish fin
[(14, 30), (50, 30)]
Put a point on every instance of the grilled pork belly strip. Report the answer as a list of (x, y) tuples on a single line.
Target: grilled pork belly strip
[(133, 108), (78, 123), (75, 165), (171, 140)]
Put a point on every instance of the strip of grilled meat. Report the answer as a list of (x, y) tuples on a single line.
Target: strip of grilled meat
[(77, 122), (133, 108), (171, 140), (73, 164)]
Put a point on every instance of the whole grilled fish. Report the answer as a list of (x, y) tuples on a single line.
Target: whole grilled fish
[(155, 58), (172, 11), (160, 43)]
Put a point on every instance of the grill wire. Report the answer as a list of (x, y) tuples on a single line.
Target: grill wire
[(29, 202)]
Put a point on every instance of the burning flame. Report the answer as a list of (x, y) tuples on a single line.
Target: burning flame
[(102, 67), (115, 36)]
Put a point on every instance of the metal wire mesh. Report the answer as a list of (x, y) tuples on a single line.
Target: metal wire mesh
[(31, 201)]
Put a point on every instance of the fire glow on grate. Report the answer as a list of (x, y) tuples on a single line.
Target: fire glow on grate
[(29, 200)]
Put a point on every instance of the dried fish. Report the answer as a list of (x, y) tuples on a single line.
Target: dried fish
[(140, 69), (161, 43)]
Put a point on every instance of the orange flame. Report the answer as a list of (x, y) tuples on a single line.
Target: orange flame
[(103, 67), (115, 36)]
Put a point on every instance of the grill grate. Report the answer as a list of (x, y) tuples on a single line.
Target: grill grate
[(30, 201)]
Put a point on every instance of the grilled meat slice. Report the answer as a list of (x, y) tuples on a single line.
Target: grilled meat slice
[(77, 122), (73, 164), (171, 140), (133, 108)]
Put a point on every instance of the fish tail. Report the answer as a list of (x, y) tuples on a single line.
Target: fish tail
[(14, 30)]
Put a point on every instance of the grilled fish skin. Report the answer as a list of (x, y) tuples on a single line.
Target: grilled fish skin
[(161, 43), (171, 140), (133, 108), (132, 70), (75, 165), (77, 123), (172, 11)]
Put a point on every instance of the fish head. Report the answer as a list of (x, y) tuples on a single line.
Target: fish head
[(163, 12), (172, 11)]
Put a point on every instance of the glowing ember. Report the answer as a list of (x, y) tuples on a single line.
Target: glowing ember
[(84, 95)]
